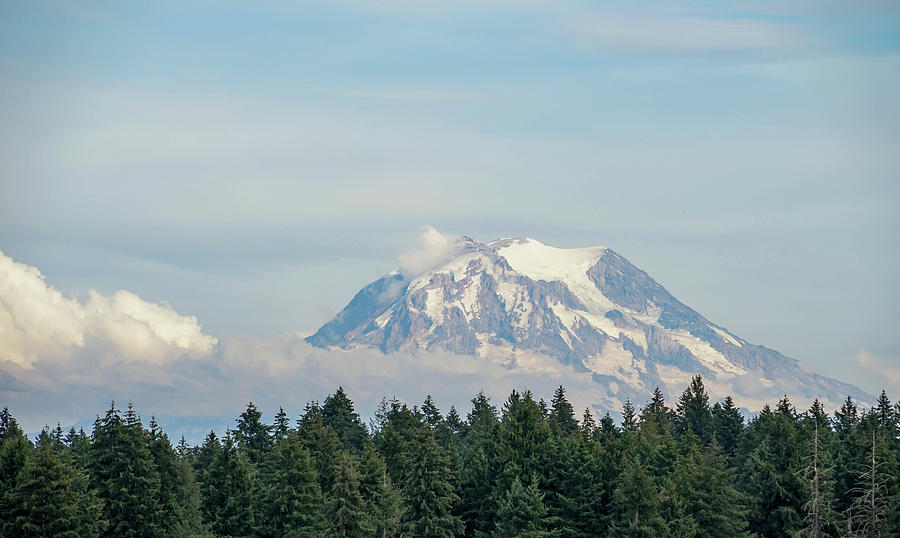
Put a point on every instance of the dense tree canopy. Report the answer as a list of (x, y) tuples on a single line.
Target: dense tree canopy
[(529, 468)]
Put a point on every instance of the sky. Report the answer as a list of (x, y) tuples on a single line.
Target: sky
[(236, 171)]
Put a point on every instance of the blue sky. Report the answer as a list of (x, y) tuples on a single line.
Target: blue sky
[(255, 163)]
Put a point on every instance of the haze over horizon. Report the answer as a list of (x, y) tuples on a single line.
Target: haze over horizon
[(253, 167)]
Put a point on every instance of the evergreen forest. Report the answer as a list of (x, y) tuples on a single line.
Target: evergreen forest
[(521, 468)]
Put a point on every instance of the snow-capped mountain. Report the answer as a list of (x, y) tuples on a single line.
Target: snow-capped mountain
[(533, 306)]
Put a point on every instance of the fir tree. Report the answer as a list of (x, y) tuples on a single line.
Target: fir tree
[(293, 502), (322, 443), (339, 415), (562, 416), (230, 492), (521, 513), (588, 427), (346, 508), (727, 425), (252, 435), (51, 498), (692, 412), (656, 418), (870, 509), (281, 427), (384, 502), (429, 489), (524, 443), (15, 452), (165, 461), (477, 469), (123, 473), (79, 447), (772, 472), (821, 520), (635, 503), (629, 419), (706, 486)]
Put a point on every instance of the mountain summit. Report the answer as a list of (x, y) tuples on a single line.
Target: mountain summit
[(530, 305)]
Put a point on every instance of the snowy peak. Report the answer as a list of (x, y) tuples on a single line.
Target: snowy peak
[(526, 304)]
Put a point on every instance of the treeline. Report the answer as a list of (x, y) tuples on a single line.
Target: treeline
[(529, 468)]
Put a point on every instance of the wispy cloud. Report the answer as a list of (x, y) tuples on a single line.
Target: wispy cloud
[(433, 249), (879, 370), (686, 34)]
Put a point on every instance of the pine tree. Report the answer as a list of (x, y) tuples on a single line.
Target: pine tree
[(635, 503), (820, 516), (188, 497), (575, 493), (521, 513), (429, 489), (15, 449), (727, 425), (163, 457), (477, 469), (293, 502), (202, 463), (15, 452), (322, 443), (124, 475), (692, 412), (629, 419), (562, 416), (252, 435), (656, 417), (281, 427), (588, 427), (706, 485), (524, 443), (384, 502), (772, 472), (339, 415), (346, 508), (398, 427), (230, 492), (870, 508), (79, 447), (51, 498)]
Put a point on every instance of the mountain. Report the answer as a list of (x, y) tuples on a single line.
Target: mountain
[(533, 306)]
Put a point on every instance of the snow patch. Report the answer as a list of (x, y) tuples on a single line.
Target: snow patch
[(726, 336), (569, 266)]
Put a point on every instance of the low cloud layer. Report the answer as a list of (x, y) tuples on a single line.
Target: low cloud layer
[(193, 395), (37, 322)]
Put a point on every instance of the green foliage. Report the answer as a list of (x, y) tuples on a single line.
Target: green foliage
[(251, 435), (562, 415), (292, 503), (384, 502), (346, 507), (50, 497), (339, 415), (535, 471), (635, 508), (230, 492), (692, 411), (124, 475), (521, 513), (429, 488)]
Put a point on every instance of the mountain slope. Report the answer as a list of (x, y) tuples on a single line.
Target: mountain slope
[(529, 305)]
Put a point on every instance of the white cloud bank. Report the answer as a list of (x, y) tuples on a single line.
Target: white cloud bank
[(38, 323)]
